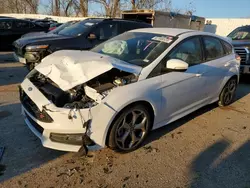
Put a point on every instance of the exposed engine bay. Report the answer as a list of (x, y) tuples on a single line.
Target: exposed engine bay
[(85, 95)]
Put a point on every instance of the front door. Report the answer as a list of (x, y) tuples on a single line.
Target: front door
[(182, 92)]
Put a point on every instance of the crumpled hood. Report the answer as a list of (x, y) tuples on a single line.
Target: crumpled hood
[(69, 68)]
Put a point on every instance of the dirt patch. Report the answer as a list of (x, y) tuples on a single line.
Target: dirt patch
[(9, 88)]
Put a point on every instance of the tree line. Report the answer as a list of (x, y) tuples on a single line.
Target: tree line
[(109, 8)]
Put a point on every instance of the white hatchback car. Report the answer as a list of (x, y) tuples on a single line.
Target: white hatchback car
[(116, 93)]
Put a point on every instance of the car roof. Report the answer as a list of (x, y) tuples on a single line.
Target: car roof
[(164, 31), (173, 31), (97, 20)]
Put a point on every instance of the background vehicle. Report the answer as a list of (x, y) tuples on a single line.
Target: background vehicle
[(165, 19), (83, 35), (12, 29), (114, 94), (241, 42), (54, 31), (45, 22), (54, 26)]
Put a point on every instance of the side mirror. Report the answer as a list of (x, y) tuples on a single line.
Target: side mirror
[(92, 36), (177, 65)]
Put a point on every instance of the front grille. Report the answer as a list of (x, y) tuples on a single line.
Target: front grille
[(243, 53), (34, 124), (31, 107)]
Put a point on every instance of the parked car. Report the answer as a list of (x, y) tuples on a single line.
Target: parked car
[(55, 31), (81, 36), (54, 26), (45, 22), (241, 42), (114, 94), (12, 29)]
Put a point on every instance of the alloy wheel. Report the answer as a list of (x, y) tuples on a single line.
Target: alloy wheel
[(131, 129)]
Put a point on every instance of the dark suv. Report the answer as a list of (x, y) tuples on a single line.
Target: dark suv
[(83, 35), (241, 42), (12, 29)]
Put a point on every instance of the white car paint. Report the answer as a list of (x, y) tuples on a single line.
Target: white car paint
[(171, 95)]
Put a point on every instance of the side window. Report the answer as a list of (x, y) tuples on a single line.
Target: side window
[(22, 24), (106, 31), (228, 48), (188, 51), (5, 24), (213, 48)]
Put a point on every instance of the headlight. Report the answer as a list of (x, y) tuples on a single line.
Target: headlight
[(30, 48)]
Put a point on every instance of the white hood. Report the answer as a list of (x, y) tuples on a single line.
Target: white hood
[(69, 68)]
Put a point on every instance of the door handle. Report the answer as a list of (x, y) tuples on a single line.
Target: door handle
[(198, 75)]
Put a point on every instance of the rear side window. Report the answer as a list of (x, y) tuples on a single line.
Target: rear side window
[(5, 25), (22, 24), (213, 48), (228, 48)]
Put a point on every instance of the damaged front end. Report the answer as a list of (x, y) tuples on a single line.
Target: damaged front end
[(68, 118)]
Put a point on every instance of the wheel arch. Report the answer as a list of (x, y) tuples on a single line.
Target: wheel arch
[(145, 103)]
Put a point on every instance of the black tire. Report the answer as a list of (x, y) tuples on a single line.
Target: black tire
[(118, 127), (228, 92)]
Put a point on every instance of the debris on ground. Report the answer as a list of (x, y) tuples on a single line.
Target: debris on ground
[(126, 178), (150, 149)]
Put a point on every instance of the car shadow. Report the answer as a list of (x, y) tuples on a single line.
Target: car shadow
[(23, 150), (242, 91), (11, 72), (210, 170)]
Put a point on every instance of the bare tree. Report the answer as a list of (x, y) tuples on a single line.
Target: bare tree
[(111, 7), (20, 6)]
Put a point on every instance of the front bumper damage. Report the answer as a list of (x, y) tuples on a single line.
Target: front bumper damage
[(62, 128)]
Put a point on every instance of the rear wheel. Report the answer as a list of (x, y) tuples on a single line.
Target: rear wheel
[(228, 92), (130, 129)]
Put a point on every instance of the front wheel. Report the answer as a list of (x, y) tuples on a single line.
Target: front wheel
[(130, 129), (228, 92)]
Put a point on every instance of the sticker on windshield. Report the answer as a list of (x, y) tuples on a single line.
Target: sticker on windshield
[(163, 39), (89, 24)]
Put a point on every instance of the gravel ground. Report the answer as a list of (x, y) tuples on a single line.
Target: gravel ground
[(209, 148)]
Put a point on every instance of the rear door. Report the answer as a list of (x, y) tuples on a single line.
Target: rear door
[(217, 62)]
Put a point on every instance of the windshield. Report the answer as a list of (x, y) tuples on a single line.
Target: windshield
[(61, 27), (76, 29), (136, 48), (240, 34)]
